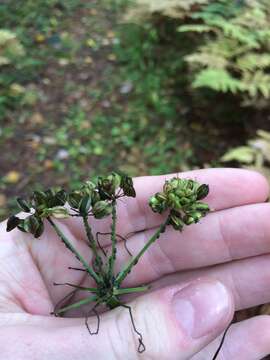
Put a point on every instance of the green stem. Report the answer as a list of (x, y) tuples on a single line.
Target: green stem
[(130, 290), (68, 244), (92, 243), (123, 274), (78, 304), (112, 257), (94, 290)]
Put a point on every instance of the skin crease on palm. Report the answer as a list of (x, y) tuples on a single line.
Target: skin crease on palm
[(228, 250)]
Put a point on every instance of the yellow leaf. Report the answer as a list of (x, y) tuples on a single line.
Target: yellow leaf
[(12, 177), (88, 60), (48, 164), (16, 89), (111, 57), (40, 38), (93, 12), (63, 62), (36, 119), (91, 43), (3, 200), (110, 34)]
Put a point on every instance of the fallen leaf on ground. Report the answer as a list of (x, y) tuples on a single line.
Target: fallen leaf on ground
[(110, 34), (111, 57), (12, 177), (88, 60), (3, 200), (93, 12), (37, 119), (40, 38), (48, 164)]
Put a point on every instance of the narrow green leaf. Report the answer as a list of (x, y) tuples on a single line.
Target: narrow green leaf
[(85, 204), (23, 205), (12, 222)]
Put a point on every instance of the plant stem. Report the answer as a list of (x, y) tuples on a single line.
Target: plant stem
[(92, 243), (94, 290), (68, 244), (113, 239), (130, 290), (78, 304), (123, 274)]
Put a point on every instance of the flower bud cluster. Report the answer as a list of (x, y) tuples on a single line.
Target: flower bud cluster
[(90, 199), (115, 185), (42, 205), (98, 198), (182, 198)]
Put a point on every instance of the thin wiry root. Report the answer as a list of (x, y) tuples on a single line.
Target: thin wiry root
[(62, 302), (98, 320), (65, 284), (74, 268), (141, 346), (223, 339), (73, 286), (117, 235), (125, 244), (99, 245)]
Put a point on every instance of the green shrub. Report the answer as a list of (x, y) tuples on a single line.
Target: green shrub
[(231, 43), (10, 47), (11, 53), (178, 9)]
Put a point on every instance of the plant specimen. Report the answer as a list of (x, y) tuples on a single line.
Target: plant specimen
[(179, 200)]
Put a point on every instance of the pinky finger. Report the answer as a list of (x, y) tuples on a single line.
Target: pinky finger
[(248, 339)]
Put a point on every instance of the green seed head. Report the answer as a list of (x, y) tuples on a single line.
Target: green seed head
[(108, 185), (59, 212), (102, 209), (181, 197), (158, 203), (176, 221)]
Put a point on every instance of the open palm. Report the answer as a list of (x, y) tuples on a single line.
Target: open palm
[(198, 277)]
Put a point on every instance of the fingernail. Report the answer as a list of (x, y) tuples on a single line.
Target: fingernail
[(200, 307)]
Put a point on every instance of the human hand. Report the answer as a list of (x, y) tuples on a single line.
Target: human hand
[(199, 277)]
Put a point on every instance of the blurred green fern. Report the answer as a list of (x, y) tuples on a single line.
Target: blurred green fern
[(233, 52), (234, 56)]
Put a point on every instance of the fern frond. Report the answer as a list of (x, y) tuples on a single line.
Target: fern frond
[(234, 51), (195, 28), (253, 61), (207, 59), (218, 80), (234, 31), (10, 47), (243, 154), (221, 47), (257, 83), (172, 8)]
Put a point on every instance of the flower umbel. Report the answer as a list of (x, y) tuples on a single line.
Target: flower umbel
[(181, 198)]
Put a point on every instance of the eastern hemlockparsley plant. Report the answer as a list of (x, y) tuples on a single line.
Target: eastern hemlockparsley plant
[(180, 201)]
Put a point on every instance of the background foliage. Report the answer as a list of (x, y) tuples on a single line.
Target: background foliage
[(232, 52), (144, 86)]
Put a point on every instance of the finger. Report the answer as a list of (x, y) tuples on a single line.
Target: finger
[(228, 188), (242, 237), (175, 323), (220, 237), (248, 280), (248, 339), (46, 260)]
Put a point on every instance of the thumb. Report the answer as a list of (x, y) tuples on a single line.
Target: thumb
[(174, 323)]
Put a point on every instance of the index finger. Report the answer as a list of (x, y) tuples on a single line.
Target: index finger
[(228, 188)]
